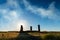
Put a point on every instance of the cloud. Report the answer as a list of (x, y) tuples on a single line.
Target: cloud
[(10, 16), (12, 4), (50, 13)]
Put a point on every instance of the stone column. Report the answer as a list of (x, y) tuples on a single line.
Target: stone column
[(30, 28), (39, 28), (21, 29)]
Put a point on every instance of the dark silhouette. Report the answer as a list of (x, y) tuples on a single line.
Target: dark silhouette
[(39, 28), (30, 28), (26, 36), (23, 35), (21, 29)]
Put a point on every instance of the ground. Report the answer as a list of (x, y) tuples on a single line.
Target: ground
[(29, 35)]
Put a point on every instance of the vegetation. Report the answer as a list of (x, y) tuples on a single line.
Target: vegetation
[(29, 36)]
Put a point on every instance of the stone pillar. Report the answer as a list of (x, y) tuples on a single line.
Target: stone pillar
[(30, 28), (21, 29), (39, 28)]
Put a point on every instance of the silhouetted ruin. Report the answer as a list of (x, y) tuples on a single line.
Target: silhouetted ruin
[(30, 28), (29, 35), (39, 28), (21, 29)]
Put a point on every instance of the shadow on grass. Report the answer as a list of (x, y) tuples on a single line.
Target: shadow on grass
[(22, 36), (26, 36)]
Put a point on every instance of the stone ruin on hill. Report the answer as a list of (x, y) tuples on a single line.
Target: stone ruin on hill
[(21, 29)]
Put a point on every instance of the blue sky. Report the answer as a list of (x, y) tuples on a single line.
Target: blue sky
[(14, 13)]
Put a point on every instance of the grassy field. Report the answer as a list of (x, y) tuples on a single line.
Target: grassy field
[(15, 35)]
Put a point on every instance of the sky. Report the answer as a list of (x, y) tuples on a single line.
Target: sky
[(14, 13)]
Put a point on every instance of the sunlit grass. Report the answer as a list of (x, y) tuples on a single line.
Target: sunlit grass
[(44, 36)]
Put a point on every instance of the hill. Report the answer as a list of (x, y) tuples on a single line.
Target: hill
[(27, 35)]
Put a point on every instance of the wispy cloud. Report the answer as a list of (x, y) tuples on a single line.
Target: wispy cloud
[(10, 16), (50, 12)]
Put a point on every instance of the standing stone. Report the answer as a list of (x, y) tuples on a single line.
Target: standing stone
[(39, 28), (30, 28), (21, 29)]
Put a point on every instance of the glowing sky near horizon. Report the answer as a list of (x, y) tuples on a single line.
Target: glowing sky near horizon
[(14, 13)]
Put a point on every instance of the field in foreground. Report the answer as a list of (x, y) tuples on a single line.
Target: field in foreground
[(28, 35)]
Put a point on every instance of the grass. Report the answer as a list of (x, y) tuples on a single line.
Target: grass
[(41, 35)]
